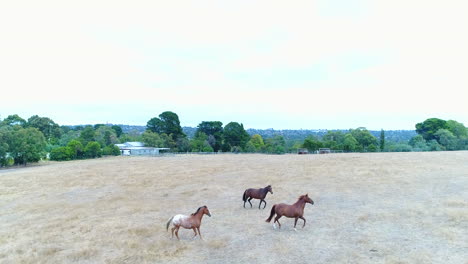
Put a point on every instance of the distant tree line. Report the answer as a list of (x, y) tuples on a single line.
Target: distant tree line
[(38, 138)]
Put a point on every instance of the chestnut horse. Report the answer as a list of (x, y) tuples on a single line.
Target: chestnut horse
[(295, 210), (257, 194), (188, 222)]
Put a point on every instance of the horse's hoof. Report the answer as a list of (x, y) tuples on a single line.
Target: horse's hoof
[(295, 229)]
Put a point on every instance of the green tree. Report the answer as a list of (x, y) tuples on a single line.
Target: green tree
[(429, 127), (4, 148), (311, 143), (183, 144), (168, 123), (76, 148), (276, 145), (350, 144), (457, 129), (106, 136), (235, 136), (96, 126), (26, 145), (214, 131), (111, 150), (88, 134), (418, 143), (118, 130), (257, 142), (250, 148), (333, 140), (68, 136), (14, 120), (364, 138), (200, 143), (382, 140), (47, 126), (152, 139), (93, 150), (61, 154), (446, 139), (399, 147)]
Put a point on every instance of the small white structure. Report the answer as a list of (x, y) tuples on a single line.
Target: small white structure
[(138, 149)]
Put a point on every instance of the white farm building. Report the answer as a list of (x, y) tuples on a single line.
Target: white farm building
[(139, 149)]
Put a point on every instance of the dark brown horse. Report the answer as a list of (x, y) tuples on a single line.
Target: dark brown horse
[(256, 194), (189, 222), (295, 210)]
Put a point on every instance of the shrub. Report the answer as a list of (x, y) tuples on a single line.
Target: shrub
[(93, 150), (61, 154), (111, 150)]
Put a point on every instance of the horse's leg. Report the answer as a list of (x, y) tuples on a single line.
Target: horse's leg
[(265, 204), (177, 232), (198, 228), (172, 231), (276, 220), (261, 200), (194, 230), (303, 219), (250, 202), (295, 222)]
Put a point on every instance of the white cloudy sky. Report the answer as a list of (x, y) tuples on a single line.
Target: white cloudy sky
[(267, 64)]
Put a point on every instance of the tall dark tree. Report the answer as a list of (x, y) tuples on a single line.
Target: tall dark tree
[(382, 140), (214, 131), (168, 123), (235, 136), (117, 129)]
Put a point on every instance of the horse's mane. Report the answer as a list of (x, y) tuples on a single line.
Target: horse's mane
[(302, 196), (199, 209)]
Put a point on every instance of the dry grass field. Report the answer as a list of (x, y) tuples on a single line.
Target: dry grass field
[(369, 208)]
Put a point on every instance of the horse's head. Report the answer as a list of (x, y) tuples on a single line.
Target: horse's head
[(206, 211), (306, 199), (269, 189)]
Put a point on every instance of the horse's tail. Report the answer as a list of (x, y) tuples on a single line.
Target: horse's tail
[(168, 223), (271, 214), (244, 197)]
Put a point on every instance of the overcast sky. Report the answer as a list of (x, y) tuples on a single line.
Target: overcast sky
[(327, 64)]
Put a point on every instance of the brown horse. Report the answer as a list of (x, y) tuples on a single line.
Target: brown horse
[(257, 194), (295, 210), (188, 222)]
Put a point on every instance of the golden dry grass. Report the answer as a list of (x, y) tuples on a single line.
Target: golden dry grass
[(369, 208)]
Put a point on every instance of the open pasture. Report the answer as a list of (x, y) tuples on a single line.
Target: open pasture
[(369, 208)]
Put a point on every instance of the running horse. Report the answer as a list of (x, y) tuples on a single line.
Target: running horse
[(257, 194), (192, 221), (295, 210)]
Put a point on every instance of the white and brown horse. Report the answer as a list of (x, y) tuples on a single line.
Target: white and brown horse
[(192, 221), (295, 210)]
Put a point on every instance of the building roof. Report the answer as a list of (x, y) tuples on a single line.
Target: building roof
[(136, 145)]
